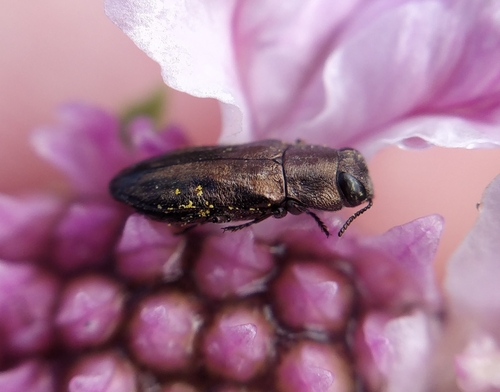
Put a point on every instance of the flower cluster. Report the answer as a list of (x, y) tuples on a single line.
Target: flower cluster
[(93, 299)]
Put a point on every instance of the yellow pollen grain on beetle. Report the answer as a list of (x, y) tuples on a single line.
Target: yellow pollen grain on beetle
[(159, 206), (252, 209), (177, 191), (170, 208), (189, 205), (204, 213), (199, 190), (230, 208), (211, 206)]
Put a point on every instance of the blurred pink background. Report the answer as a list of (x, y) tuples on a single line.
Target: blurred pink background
[(57, 51)]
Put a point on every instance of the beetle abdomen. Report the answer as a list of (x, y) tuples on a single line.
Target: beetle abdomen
[(194, 193)]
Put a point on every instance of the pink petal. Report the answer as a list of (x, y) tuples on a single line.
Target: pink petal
[(397, 267), (103, 372), (213, 73), (27, 301), (232, 266), (343, 73), (90, 148), (29, 376), (90, 311), (26, 224), (312, 366), (310, 295), (85, 235), (163, 331), (394, 269), (473, 272), (238, 345), (149, 250), (478, 365), (400, 349), (148, 142), (85, 146), (471, 286)]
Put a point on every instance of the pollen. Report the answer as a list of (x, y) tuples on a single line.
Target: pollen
[(199, 190), (204, 213), (189, 205), (211, 206), (159, 206), (177, 191)]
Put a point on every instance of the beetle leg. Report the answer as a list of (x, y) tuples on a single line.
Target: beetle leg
[(239, 227), (295, 208), (320, 223)]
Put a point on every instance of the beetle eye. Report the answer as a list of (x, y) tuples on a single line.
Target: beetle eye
[(354, 192)]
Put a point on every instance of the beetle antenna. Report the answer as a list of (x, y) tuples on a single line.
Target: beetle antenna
[(354, 216)]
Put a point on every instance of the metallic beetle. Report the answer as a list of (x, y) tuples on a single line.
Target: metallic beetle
[(249, 182)]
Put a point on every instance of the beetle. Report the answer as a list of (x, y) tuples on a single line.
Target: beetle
[(248, 182)]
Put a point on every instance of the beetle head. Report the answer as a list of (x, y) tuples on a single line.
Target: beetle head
[(354, 183), (353, 179)]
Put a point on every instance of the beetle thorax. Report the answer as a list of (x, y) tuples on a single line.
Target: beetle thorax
[(310, 174)]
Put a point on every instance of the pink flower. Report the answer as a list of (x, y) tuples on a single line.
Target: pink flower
[(98, 299), (258, 307), (471, 285), (343, 73), (363, 74)]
